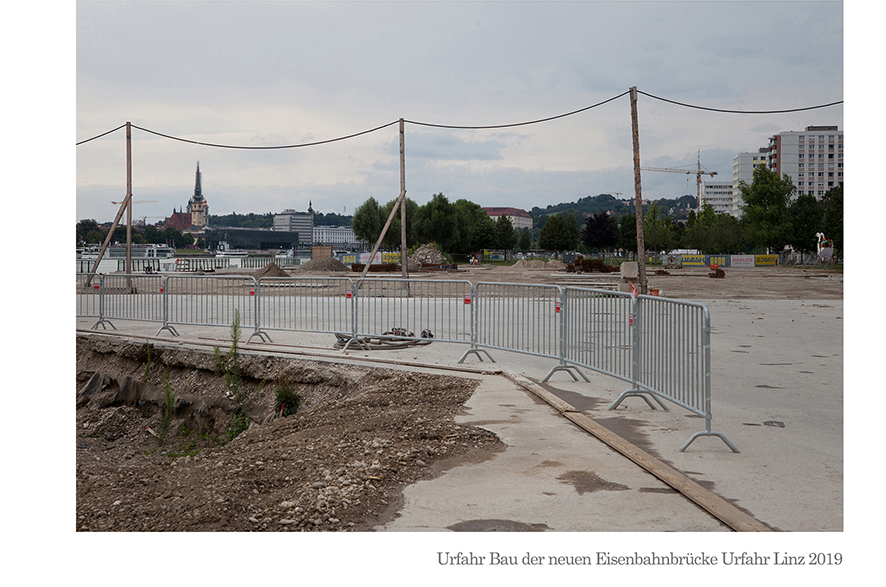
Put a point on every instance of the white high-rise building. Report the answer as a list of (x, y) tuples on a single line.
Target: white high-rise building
[(813, 158), (743, 165), (720, 196)]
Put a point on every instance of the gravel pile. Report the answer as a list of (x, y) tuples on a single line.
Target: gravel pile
[(427, 254), (270, 270), (325, 264)]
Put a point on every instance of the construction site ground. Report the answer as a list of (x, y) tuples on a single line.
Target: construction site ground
[(428, 456)]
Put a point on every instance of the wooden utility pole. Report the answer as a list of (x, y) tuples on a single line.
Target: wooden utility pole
[(128, 199), (401, 203), (638, 194), (403, 260), (123, 206)]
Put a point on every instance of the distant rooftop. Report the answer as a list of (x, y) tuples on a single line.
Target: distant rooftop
[(507, 212)]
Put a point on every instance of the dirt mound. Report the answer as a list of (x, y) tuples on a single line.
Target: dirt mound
[(426, 254), (325, 265), (270, 270), (338, 464)]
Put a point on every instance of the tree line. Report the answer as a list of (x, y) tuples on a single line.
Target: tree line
[(772, 220), (89, 232), (460, 228)]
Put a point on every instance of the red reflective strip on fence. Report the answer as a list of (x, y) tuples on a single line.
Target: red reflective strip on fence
[(467, 299), (558, 307)]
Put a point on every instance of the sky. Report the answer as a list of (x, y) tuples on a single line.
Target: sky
[(262, 74)]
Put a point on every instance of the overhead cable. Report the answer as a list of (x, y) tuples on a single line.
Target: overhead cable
[(742, 111), (101, 135), (518, 123), (465, 127), (268, 147)]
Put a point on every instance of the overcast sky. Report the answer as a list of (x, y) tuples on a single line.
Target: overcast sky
[(285, 73)]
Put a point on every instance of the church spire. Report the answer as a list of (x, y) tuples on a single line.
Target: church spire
[(198, 191)]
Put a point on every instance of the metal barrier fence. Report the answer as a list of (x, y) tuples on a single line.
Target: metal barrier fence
[(518, 317), (598, 331), (307, 304), (661, 347), (406, 309)]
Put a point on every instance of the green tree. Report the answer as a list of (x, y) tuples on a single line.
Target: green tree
[(600, 232), (505, 237), (559, 233), (366, 222), (627, 233), (476, 228), (524, 242), (393, 237), (438, 223), (657, 232), (765, 208), (832, 222), (806, 216)]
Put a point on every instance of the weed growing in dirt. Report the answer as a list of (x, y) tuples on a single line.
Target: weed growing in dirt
[(239, 423), (168, 409), (287, 401)]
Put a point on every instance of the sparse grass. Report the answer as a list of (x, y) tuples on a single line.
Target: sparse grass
[(287, 401)]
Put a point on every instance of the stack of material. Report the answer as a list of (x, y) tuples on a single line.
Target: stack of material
[(324, 265), (426, 255), (270, 270)]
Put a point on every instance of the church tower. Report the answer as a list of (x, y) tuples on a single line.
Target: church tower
[(198, 207)]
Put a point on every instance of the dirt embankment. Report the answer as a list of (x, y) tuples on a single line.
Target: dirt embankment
[(337, 464)]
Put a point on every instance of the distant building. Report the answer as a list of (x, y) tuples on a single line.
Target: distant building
[(178, 220), (335, 236), (719, 196), (812, 158), (250, 239), (291, 221), (519, 218), (198, 207), (743, 165)]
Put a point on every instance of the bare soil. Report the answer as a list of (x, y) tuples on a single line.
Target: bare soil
[(338, 464)]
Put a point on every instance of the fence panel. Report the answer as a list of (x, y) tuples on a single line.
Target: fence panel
[(133, 297), (674, 351), (88, 295), (211, 300), (518, 317), (438, 308), (323, 304), (598, 331)]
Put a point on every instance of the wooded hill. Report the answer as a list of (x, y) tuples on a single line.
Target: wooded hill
[(677, 209)]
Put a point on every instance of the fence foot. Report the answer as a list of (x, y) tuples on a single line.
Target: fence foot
[(169, 328), (638, 393), (103, 323), (572, 370), (709, 433), (264, 337), (476, 352)]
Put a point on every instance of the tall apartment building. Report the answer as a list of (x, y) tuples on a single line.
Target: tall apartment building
[(720, 196), (813, 158), (302, 223), (743, 165)]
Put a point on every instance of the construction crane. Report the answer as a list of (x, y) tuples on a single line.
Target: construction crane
[(698, 173), (135, 202)]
